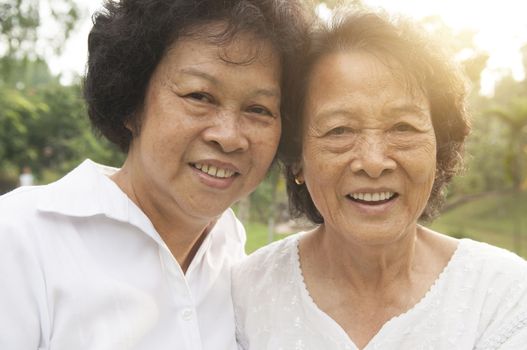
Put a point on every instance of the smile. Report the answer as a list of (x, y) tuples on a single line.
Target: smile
[(214, 171), (372, 197)]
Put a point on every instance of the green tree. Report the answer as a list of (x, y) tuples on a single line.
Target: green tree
[(20, 20), (45, 126), (514, 116)]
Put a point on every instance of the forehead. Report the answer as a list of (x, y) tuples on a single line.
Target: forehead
[(234, 47), (345, 75), (362, 70), (239, 55)]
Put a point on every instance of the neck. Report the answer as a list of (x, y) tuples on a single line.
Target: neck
[(183, 235), (367, 267)]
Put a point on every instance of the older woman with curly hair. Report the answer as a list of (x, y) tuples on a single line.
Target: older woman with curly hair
[(139, 257), (378, 134)]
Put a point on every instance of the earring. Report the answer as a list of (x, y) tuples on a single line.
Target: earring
[(298, 181)]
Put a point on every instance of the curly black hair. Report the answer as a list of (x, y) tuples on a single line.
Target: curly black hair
[(130, 37), (421, 63)]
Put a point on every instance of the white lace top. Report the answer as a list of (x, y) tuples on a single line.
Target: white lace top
[(479, 301)]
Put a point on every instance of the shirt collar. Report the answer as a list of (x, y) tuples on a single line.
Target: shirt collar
[(88, 191)]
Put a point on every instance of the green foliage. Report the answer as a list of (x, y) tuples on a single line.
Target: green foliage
[(20, 31), (257, 236), (45, 126), (269, 198), (509, 108), (21, 19), (498, 219), (485, 150)]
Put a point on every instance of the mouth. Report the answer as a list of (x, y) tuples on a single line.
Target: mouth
[(214, 171), (372, 198)]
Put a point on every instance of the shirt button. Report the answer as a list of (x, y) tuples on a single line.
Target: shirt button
[(186, 314)]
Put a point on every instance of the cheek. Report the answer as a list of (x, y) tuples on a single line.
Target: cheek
[(421, 174), (265, 142), (420, 162), (263, 147)]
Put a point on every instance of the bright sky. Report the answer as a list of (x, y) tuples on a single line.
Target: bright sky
[(501, 27)]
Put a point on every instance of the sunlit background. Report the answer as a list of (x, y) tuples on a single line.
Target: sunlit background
[(499, 26)]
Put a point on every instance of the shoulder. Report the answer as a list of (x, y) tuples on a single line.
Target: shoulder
[(268, 260), (498, 275), (502, 288), (24, 195), (22, 211), (261, 282), (493, 262), (20, 205), (20, 222), (269, 266), (23, 226)]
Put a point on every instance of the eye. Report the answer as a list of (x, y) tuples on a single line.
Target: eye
[(200, 96), (341, 130), (403, 127), (260, 110)]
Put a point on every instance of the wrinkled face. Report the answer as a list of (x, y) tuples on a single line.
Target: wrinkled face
[(369, 149), (209, 127)]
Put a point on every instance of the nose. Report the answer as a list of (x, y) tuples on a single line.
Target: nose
[(371, 156), (226, 132)]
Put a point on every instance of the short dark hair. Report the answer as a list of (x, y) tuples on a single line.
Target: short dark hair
[(420, 63), (130, 37)]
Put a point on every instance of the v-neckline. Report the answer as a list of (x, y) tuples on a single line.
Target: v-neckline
[(343, 337)]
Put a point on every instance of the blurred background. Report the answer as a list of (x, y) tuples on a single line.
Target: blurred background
[(44, 130)]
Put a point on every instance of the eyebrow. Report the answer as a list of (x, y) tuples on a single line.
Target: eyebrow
[(353, 112), (408, 108), (271, 92), (267, 92), (325, 114), (200, 74)]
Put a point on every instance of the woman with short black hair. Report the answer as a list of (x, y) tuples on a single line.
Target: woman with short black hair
[(139, 257)]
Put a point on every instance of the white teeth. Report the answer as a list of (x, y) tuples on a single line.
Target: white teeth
[(214, 171), (372, 197)]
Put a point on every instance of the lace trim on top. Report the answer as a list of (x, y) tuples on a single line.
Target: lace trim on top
[(423, 303)]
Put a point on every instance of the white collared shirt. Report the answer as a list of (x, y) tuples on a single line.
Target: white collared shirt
[(82, 267)]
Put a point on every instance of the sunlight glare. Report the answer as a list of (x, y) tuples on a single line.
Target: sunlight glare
[(500, 26)]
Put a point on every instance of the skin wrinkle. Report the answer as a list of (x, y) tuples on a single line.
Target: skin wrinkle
[(191, 118), (376, 136)]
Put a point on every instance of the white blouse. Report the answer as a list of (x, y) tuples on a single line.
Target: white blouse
[(479, 301), (83, 268)]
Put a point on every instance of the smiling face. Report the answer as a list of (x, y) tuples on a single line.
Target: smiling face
[(210, 126), (369, 149)]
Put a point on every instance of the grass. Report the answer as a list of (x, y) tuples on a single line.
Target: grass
[(495, 219), (258, 236)]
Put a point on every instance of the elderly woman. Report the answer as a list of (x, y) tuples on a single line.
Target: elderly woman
[(139, 257), (380, 131)]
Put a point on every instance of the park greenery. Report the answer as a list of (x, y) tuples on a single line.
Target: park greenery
[(44, 125)]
